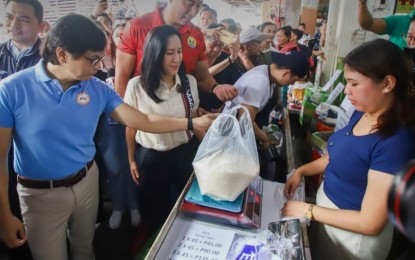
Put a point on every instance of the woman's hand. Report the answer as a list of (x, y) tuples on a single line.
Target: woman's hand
[(292, 184), (134, 172), (203, 123), (295, 208)]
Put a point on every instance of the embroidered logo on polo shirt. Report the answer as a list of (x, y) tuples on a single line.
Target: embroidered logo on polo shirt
[(82, 98), (191, 41)]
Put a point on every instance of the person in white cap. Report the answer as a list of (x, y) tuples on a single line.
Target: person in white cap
[(250, 49)]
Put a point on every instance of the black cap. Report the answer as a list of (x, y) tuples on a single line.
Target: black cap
[(296, 61)]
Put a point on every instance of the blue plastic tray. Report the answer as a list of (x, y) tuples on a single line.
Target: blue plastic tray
[(193, 195)]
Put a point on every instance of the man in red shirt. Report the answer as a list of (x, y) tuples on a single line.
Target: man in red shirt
[(177, 13)]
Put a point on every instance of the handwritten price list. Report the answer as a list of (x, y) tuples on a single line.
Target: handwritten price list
[(202, 243)]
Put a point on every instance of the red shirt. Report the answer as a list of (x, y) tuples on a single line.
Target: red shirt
[(134, 34)]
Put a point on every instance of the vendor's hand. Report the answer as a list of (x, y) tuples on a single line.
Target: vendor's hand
[(295, 208), (134, 172), (225, 92), (12, 231), (203, 123), (99, 7), (292, 184)]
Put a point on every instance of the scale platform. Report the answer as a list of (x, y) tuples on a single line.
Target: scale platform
[(245, 211)]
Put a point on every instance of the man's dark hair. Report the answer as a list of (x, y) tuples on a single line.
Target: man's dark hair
[(36, 5), (210, 10), (75, 33), (302, 24)]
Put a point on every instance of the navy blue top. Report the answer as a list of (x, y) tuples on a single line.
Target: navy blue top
[(9, 64), (351, 158)]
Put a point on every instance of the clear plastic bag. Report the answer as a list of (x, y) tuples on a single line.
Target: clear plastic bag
[(227, 159)]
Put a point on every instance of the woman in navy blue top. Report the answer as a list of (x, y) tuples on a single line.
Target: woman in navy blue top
[(362, 158)]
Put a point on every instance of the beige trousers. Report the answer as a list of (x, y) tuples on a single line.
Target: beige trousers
[(50, 216), (328, 242)]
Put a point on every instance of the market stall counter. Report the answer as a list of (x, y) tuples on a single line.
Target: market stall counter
[(206, 236)]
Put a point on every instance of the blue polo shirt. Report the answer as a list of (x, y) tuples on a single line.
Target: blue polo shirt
[(53, 130), (351, 158)]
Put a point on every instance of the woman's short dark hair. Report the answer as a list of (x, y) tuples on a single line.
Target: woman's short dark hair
[(155, 47), (75, 33), (37, 6), (376, 60)]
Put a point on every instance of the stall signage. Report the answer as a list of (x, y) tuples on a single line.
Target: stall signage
[(202, 242)]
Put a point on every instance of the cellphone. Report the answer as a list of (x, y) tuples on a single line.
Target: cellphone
[(227, 37)]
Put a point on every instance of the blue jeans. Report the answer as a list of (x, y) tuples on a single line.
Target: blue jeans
[(112, 160)]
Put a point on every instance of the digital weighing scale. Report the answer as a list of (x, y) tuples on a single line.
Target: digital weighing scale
[(245, 211)]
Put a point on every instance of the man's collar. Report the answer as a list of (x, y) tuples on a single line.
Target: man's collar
[(34, 48), (40, 71)]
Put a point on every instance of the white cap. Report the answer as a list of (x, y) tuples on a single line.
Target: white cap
[(251, 34)]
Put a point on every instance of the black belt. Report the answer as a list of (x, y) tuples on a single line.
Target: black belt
[(50, 184)]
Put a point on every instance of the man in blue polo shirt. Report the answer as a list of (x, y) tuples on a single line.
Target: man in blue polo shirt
[(51, 112)]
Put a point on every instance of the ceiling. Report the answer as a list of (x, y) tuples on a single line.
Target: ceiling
[(251, 6), (255, 6)]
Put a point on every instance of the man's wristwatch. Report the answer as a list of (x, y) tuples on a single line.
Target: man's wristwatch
[(309, 213)]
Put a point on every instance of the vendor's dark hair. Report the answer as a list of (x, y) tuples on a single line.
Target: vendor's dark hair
[(34, 3), (377, 59), (75, 33), (152, 63)]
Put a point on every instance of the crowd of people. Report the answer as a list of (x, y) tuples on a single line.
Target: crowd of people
[(122, 103)]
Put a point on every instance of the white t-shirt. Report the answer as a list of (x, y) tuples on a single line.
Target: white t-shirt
[(304, 39), (172, 106), (254, 89)]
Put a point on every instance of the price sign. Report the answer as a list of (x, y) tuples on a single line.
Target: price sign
[(202, 242)]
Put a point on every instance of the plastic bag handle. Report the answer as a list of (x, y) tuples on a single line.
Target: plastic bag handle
[(245, 123)]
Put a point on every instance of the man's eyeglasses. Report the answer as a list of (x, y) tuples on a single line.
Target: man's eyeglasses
[(408, 36), (94, 61)]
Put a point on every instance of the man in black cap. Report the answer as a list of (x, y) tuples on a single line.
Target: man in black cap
[(257, 87)]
